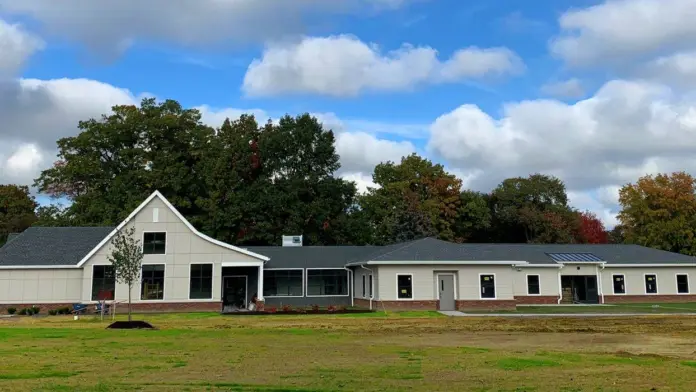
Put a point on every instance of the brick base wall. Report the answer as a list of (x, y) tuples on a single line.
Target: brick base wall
[(537, 299), (397, 305), (494, 304), (614, 299), (136, 307)]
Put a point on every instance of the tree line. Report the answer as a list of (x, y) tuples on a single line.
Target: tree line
[(247, 183)]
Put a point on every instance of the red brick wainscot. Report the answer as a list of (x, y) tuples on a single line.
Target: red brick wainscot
[(493, 304), (183, 307), (537, 299), (617, 299), (397, 305), (43, 308)]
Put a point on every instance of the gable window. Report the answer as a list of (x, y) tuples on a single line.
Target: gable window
[(154, 243), (327, 282), (619, 284), (650, 284), (682, 284), (282, 283), (152, 284), (404, 286), (103, 282), (533, 286), (487, 282), (363, 286), (201, 281)]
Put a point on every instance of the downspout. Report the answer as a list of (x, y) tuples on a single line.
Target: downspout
[(599, 282), (372, 284)]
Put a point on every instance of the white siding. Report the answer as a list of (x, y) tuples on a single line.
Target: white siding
[(35, 286), (183, 247), (635, 280), (425, 283), (548, 281)]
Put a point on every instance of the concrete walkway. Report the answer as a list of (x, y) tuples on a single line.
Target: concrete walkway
[(454, 313)]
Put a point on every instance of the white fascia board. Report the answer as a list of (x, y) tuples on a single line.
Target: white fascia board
[(648, 265), (178, 215), (445, 262), (558, 266), (18, 267)]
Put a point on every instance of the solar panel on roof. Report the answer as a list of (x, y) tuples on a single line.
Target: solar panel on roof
[(580, 257)]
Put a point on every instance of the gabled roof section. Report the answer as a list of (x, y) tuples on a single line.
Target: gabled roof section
[(157, 194), (51, 247), (12, 236), (575, 258)]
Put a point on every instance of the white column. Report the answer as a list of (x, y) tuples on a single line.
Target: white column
[(260, 283)]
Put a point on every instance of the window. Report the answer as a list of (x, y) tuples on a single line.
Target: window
[(487, 286), (154, 243), (370, 284), (152, 284), (282, 283), (327, 282), (103, 282), (533, 284), (651, 284), (363, 287), (404, 286), (682, 284), (619, 284), (201, 281)]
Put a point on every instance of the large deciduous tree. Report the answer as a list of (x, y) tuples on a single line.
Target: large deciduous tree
[(414, 198), (116, 161), (533, 209), (17, 210), (591, 229), (660, 212)]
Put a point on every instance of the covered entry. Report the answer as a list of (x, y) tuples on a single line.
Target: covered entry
[(580, 289), (239, 286)]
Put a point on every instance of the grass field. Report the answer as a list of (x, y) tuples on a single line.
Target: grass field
[(648, 308), (412, 351)]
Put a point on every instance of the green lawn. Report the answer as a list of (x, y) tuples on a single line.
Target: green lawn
[(648, 308), (414, 351)]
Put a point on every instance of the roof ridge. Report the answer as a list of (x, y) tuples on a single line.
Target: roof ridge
[(404, 246)]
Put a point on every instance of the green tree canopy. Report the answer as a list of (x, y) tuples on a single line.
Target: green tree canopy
[(16, 210)]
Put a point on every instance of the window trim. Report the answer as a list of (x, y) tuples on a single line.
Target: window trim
[(364, 282), (348, 283), (613, 291), (212, 281), (286, 269), (526, 278), (396, 287), (437, 284), (164, 283), (142, 242), (372, 296), (91, 288), (495, 286), (645, 286), (688, 283)]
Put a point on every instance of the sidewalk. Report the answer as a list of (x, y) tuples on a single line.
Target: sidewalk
[(455, 313)]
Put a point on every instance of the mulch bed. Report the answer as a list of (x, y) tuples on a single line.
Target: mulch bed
[(130, 325), (297, 312)]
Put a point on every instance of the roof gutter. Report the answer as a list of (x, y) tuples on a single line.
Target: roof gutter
[(649, 265), (443, 262), (15, 267)]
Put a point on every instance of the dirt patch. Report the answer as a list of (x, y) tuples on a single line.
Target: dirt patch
[(130, 325)]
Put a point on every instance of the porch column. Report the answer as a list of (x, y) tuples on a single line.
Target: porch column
[(259, 295)]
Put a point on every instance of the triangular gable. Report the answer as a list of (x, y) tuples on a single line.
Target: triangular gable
[(178, 215)]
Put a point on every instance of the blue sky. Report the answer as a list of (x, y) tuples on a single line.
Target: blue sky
[(490, 89)]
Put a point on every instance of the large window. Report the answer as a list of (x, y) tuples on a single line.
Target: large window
[(404, 286), (370, 284), (533, 287), (103, 282), (154, 243), (201, 285), (282, 283), (619, 284), (683, 284), (651, 284), (325, 282), (152, 284), (363, 286), (487, 285)]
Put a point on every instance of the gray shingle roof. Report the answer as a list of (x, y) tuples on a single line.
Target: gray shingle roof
[(49, 246), (312, 256), (12, 236)]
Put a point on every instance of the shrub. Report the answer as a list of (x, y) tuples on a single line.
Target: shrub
[(287, 308), (53, 312), (11, 310), (271, 309), (23, 311), (64, 310), (34, 309), (315, 308), (331, 308)]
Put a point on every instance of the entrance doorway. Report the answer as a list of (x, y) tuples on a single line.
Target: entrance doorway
[(580, 289), (446, 289), (234, 293)]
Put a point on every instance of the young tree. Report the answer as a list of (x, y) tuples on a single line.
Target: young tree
[(126, 257)]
